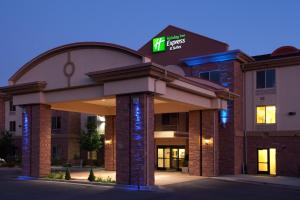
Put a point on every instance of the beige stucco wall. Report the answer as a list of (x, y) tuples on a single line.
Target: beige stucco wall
[(286, 97), (85, 60)]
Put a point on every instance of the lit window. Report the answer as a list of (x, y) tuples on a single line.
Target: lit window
[(266, 114)]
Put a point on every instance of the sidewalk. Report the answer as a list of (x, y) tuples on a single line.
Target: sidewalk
[(261, 179)]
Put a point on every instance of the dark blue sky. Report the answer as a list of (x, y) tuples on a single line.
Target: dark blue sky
[(31, 27)]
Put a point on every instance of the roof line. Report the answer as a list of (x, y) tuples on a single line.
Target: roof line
[(79, 45)]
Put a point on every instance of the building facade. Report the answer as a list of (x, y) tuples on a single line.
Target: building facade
[(271, 112), (181, 101)]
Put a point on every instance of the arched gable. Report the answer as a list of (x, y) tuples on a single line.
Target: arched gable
[(68, 65)]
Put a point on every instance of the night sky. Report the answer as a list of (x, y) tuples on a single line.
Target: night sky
[(30, 27)]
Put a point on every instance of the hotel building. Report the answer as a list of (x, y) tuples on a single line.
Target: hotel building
[(182, 100)]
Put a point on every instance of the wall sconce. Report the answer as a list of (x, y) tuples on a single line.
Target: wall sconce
[(207, 141), (108, 141)]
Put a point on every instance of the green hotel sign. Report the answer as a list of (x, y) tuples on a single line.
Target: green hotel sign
[(164, 43)]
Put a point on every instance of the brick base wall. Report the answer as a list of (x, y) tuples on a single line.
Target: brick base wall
[(135, 139), (287, 150)]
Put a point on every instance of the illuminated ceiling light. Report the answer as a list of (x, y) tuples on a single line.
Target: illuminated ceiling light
[(164, 134)]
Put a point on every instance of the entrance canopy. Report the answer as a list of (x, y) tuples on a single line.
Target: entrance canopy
[(86, 77)]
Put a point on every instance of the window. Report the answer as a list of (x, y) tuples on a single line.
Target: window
[(92, 120), (54, 152), (12, 126), (56, 123), (12, 108), (266, 114), (92, 155), (165, 119), (169, 118), (213, 76), (265, 79)]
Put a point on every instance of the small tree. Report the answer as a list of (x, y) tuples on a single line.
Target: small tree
[(68, 174), (90, 140), (7, 148), (91, 175)]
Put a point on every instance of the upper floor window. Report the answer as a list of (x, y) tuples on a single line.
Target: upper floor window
[(266, 114), (213, 76), (92, 121), (12, 108), (12, 126), (56, 123), (169, 118), (265, 79)]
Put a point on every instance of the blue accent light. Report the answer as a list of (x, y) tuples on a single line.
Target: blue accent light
[(217, 57), (138, 155), (26, 131), (25, 178), (224, 116), (225, 84)]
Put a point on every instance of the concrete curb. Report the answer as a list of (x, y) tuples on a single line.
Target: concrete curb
[(256, 182), (79, 182)]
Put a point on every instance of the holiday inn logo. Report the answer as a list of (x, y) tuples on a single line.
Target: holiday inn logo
[(159, 44), (170, 43)]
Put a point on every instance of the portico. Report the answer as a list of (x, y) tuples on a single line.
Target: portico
[(117, 82)]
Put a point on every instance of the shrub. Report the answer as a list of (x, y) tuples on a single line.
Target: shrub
[(56, 175), (68, 175), (103, 180), (91, 176)]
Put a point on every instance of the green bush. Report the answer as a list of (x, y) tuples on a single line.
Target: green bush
[(103, 180), (56, 175), (91, 176), (68, 174)]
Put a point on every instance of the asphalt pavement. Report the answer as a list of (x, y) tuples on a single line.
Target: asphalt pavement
[(212, 189)]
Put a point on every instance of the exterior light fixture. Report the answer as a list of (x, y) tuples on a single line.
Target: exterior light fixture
[(108, 142), (207, 141)]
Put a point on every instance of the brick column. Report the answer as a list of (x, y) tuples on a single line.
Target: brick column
[(36, 147), (195, 143), (135, 139), (110, 144), (203, 143)]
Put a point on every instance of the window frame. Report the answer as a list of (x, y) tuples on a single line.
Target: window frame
[(55, 118), (209, 75), (12, 126), (265, 79), (12, 107), (265, 112)]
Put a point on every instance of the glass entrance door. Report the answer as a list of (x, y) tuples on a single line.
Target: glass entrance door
[(170, 158), (266, 161)]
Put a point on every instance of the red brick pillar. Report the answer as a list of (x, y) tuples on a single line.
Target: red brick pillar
[(135, 139), (195, 143), (203, 143), (36, 147), (110, 143)]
